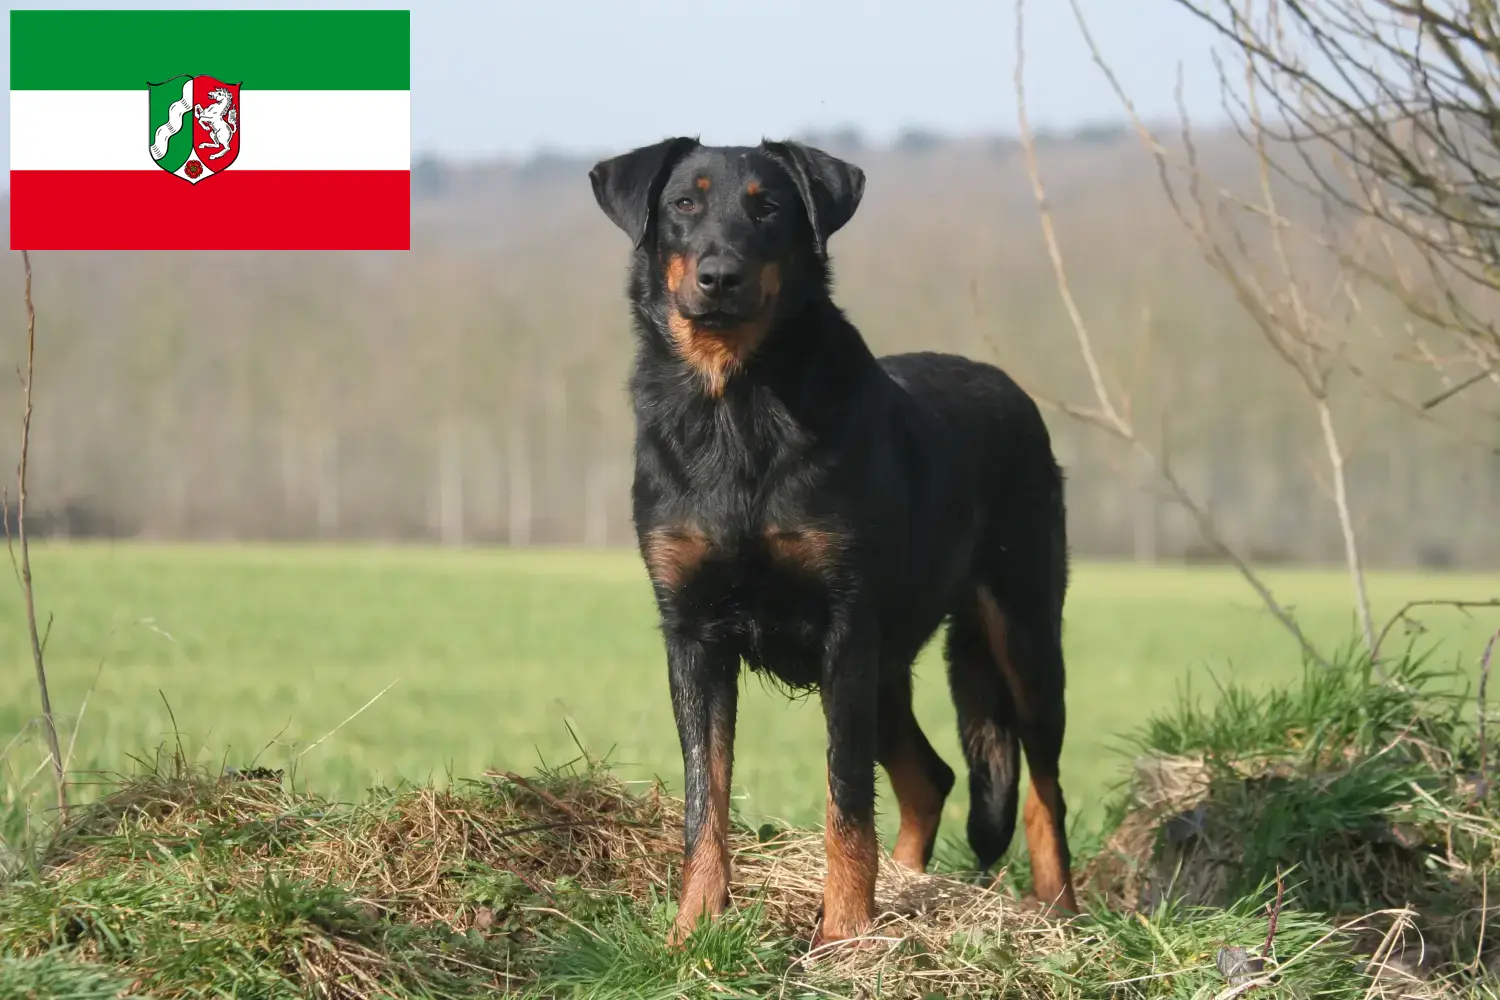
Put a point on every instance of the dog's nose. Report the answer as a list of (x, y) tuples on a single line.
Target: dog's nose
[(719, 275)]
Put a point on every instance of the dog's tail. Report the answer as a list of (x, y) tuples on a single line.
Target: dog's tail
[(987, 729)]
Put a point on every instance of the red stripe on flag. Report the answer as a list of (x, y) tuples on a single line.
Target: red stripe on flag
[(238, 210)]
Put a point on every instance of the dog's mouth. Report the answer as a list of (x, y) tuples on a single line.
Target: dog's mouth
[(726, 315), (720, 319)]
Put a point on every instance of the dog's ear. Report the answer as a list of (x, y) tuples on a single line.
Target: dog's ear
[(627, 186), (830, 188)]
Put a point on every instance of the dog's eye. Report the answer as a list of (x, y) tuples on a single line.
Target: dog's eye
[(685, 205), (764, 210)]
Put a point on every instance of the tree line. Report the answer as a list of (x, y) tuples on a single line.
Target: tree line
[(471, 391)]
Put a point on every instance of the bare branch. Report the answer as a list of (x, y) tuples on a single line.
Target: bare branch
[(1449, 393), (1108, 415), (23, 569), (1054, 253), (1346, 525), (1402, 97), (1291, 328)]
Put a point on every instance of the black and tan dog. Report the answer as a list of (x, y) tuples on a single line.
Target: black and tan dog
[(816, 513)]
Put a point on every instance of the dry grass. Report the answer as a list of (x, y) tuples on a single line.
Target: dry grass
[(1352, 857), (415, 858), (500, 884)]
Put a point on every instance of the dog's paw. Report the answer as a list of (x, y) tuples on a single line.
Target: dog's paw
[(689, 920), (835, 937)]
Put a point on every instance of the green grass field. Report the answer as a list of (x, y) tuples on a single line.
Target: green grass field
[(496, 655)]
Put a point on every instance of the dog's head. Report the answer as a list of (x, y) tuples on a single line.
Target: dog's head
[(733, 235)]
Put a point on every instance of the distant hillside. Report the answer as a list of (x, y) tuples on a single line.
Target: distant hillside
[(472, 390)]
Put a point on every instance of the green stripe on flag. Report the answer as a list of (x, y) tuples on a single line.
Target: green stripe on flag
[(261, 49)]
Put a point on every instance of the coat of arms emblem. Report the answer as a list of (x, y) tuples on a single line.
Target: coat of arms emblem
[(195, 126)]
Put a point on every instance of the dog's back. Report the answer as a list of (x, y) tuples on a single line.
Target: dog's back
[(999, 431)]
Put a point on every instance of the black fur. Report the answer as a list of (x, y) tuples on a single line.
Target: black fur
[(824, 510)]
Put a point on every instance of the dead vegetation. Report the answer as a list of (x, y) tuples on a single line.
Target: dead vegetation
[(501, 862), (1330, 840)]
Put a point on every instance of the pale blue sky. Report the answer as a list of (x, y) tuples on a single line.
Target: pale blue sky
[(511, 77)]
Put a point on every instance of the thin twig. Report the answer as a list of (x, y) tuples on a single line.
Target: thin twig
[(1400, 615), (1054, 252), (1274, 910), (1484, 914), (1452, 391), (23, 568), (1346, 527), (1300, 333), (540, 793), (1484, 683)]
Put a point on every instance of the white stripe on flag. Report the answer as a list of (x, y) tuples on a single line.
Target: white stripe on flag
[(284, 130)]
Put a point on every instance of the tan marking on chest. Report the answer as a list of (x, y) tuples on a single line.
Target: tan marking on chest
[(673, 554), (811, 551)]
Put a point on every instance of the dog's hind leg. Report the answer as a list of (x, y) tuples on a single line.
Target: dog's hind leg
[(919, 777), (1025, 644), (987, 733)]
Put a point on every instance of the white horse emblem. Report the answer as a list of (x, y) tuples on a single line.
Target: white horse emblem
[(219, 120)]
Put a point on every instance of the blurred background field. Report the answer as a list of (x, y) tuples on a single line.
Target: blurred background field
[(500, 657)]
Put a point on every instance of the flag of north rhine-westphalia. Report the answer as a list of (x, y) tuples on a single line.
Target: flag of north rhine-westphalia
[(210, 130)]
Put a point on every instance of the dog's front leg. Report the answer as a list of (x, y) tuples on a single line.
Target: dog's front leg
[(850, 686), (705, 691)]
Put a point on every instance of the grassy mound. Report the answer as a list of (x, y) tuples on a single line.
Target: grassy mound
[(1288, 844), (1367, 803)]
